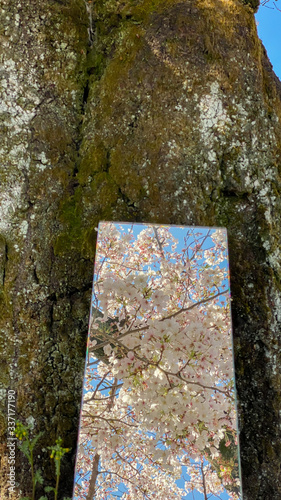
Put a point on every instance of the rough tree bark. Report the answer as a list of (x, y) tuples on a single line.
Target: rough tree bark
[(165, 111)]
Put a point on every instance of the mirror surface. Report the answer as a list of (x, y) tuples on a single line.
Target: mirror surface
[(158, 415)]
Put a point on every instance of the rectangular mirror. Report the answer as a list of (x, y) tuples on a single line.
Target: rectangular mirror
[(158, 416)]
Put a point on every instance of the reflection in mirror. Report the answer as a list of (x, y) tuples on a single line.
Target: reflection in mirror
[(158, 417)]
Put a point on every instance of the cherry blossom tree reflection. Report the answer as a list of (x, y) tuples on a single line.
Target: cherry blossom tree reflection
[(159, 386)]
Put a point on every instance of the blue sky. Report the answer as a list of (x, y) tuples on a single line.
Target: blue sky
[(269, 30)]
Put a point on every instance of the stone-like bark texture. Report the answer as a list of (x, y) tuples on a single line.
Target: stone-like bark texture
[(44, 298), (141, 110)]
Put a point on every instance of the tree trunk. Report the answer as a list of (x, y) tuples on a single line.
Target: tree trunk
[(161, 111)]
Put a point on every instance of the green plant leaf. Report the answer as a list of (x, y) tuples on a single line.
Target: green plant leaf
[(34, 440), (43, 498), (24, 447), (38, 477), (49, 488)]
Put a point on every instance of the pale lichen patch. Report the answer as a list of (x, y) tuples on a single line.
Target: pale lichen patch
[(213, 116), (23, 228), (10, 201)]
